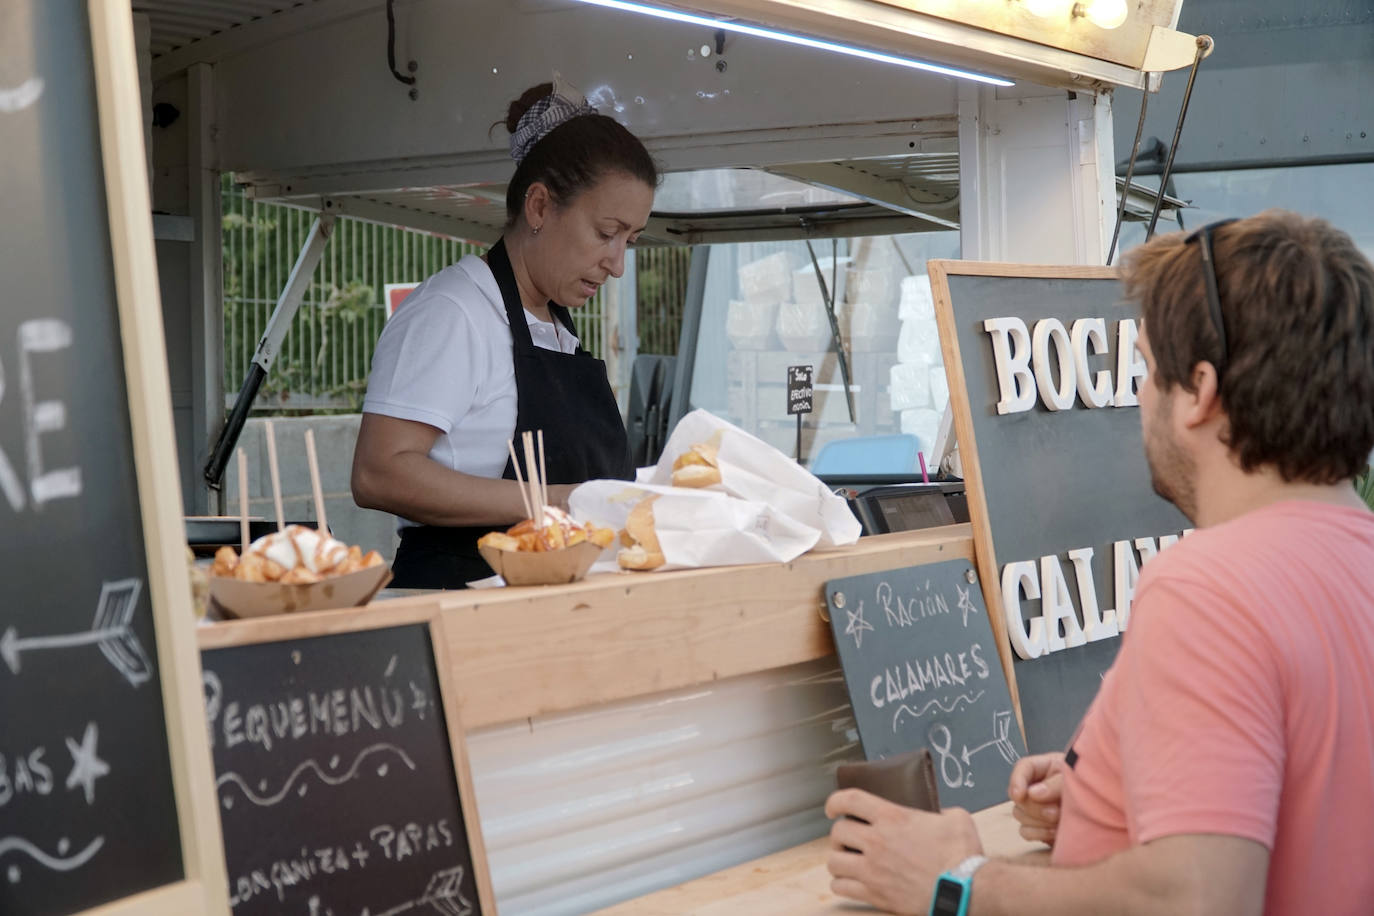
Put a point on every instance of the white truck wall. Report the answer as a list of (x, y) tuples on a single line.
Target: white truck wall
[(330, 99)]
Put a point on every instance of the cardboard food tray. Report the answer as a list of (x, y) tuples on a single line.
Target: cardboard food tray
[(554, 567), (235, 598)]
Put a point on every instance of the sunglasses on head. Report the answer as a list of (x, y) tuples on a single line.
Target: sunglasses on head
[(1203, 237)]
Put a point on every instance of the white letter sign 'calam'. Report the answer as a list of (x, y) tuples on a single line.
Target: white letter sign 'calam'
[(1044, 373)]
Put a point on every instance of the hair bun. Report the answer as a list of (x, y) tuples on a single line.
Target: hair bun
[(523, 104)]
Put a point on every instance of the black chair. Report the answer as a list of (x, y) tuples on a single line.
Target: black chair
[(651, 392)]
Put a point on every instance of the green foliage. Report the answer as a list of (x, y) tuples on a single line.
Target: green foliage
[(327, 353), (1364, 484)]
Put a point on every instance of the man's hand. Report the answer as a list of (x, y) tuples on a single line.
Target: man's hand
[(901, 851), (1037, 787)]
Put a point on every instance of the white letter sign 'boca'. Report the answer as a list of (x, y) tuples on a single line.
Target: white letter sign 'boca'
[(1043, 368)]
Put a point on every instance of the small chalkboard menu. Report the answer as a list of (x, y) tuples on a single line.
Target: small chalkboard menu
[(920, 662), (101, 737), (1043, 374), (800, 391), (341, 778)]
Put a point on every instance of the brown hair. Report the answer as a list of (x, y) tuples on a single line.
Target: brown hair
[(1297, 298), (573, 156)]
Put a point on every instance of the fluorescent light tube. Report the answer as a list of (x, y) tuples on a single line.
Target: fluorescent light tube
[(789, 38)]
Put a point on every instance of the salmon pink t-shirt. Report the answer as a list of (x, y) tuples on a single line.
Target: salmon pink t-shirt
[(1242, 704)]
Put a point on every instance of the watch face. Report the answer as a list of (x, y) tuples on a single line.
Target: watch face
[(948, 896)]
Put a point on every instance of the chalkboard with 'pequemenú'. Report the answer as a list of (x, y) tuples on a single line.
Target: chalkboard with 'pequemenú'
[(335, 778)]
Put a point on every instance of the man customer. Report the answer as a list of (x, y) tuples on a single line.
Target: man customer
[(1227, 763)]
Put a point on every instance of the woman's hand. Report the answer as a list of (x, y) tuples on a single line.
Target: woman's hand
[(1037, 788)]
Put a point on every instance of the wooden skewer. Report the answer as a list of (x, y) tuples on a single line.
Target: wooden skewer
[(321, 523), (533, 471), (243, 502), (524, 494), (272, 469), (543, 471)]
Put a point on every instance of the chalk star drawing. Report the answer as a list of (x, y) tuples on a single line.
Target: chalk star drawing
[(86, 766), (857, 625), (965, 603)]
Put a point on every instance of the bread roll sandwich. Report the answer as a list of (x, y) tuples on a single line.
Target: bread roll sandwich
[(697, 467), (642, 550)]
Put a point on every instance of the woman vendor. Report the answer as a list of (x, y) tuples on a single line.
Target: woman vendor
[(485, 349)]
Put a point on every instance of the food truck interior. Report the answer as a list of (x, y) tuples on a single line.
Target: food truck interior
[(812, 187)]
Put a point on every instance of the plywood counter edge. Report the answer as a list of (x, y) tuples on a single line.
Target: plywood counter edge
[(523, 652), (794, 881)]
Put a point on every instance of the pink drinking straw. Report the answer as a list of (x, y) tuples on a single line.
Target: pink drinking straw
[(925, 478)]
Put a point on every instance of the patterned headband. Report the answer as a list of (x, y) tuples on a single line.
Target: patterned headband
[(565, 103)]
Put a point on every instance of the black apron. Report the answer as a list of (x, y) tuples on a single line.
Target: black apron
[(569, 397)]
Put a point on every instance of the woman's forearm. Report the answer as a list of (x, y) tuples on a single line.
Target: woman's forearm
[(417, 488)]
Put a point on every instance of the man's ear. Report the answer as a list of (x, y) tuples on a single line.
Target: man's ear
[(1203, 403)]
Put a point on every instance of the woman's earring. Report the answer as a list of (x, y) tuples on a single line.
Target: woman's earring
[(536, 230)]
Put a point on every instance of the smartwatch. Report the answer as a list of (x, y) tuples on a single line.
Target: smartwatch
[(954, 889)]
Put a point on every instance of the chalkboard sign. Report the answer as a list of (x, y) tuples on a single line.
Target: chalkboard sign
[(1059, 492), (336, 779), (920, 662), (95, 626), (800, 393)]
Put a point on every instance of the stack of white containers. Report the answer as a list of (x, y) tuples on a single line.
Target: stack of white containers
[(803, 325), (919, 390), (763, 285)]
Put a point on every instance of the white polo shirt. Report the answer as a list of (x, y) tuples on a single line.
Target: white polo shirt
[(444, 359)]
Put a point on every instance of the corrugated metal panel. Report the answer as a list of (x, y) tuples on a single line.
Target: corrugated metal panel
[(176, 23), (585, 809)]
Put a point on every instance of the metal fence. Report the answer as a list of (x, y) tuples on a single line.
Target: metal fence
[(661, 288), (327, 354)]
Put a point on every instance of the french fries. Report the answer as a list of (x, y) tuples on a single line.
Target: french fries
[(557, 532)]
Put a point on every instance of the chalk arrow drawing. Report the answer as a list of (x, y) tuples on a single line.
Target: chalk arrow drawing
[(311, 766), (60, 862), (21, 96), (1001, 730), (443, 895), (111, 632)]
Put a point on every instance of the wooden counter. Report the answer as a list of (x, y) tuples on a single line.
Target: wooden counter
[(522, 652), (794, 882)]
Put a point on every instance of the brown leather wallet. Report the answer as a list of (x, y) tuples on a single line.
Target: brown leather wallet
[(905, 779)]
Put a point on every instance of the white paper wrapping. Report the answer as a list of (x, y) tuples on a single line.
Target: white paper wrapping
[(696, 528), (751, 469)]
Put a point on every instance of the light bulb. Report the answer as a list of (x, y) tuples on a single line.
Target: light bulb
[(1106, 14), (1049, 8)]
